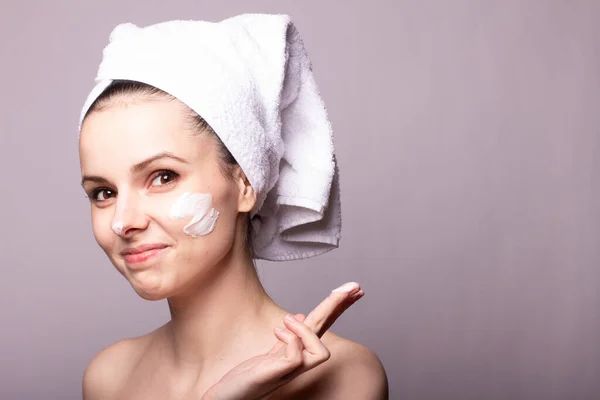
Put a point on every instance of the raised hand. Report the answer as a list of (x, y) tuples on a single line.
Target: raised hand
[(298, 350)]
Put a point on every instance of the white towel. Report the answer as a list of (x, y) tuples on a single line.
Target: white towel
[(251, 79)]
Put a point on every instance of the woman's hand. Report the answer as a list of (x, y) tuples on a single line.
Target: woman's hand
[(298, 350)]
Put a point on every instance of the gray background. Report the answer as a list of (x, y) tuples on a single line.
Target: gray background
[(467, 134)]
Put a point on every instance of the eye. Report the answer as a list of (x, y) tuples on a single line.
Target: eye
[(164, 177), (102, 194)]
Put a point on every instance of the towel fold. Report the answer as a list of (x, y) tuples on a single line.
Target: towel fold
[(251, 79)]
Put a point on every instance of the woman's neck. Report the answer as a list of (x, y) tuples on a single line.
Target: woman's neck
[(225, 320)]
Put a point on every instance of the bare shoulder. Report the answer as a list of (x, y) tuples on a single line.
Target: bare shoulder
[(110, 368), (352, 372)]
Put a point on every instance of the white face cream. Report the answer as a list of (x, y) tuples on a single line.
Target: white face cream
[(118, 228), (198, 206)]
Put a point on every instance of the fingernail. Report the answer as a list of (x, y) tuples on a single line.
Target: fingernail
[(278, 329), (358, 295), (347, 288), (291, 318)]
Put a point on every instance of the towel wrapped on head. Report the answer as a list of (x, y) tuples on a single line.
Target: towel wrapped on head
[(251, 79)]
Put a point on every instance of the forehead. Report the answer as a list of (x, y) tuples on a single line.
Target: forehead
[(127, 133)]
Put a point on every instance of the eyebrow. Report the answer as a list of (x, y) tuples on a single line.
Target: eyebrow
[(137, 167)]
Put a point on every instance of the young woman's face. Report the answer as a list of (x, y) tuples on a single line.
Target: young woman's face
[(137, 160)]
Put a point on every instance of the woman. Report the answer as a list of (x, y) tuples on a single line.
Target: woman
[(181, 211)]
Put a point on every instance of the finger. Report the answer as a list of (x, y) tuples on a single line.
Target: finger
[(284, 335), (339, 300), (284, 366), (293, 346), (312, 344), (279, 345), (299, 317)]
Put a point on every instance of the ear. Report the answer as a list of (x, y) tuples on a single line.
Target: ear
[(247, 195)]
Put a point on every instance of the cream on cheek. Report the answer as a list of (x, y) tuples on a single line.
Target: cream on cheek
[(198, 206)]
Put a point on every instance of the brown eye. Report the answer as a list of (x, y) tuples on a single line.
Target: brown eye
[(164, 178), (102, 194)]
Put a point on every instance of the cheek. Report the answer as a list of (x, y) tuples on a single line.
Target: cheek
[(225, 202), (227, 207), (200, 215), (220, 241), (205, 249), (101, 229)]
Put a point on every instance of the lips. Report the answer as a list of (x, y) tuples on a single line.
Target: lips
[(139, 254)]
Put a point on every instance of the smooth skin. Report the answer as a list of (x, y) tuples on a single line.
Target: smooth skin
[(137, 157)]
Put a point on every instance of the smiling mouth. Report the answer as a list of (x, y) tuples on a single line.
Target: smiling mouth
[(143, 256)]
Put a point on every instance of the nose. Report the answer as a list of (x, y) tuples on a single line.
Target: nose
[(129, 216)]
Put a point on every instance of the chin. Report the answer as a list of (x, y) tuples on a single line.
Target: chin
[(150, 293), (150, 285), (151, 296)]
